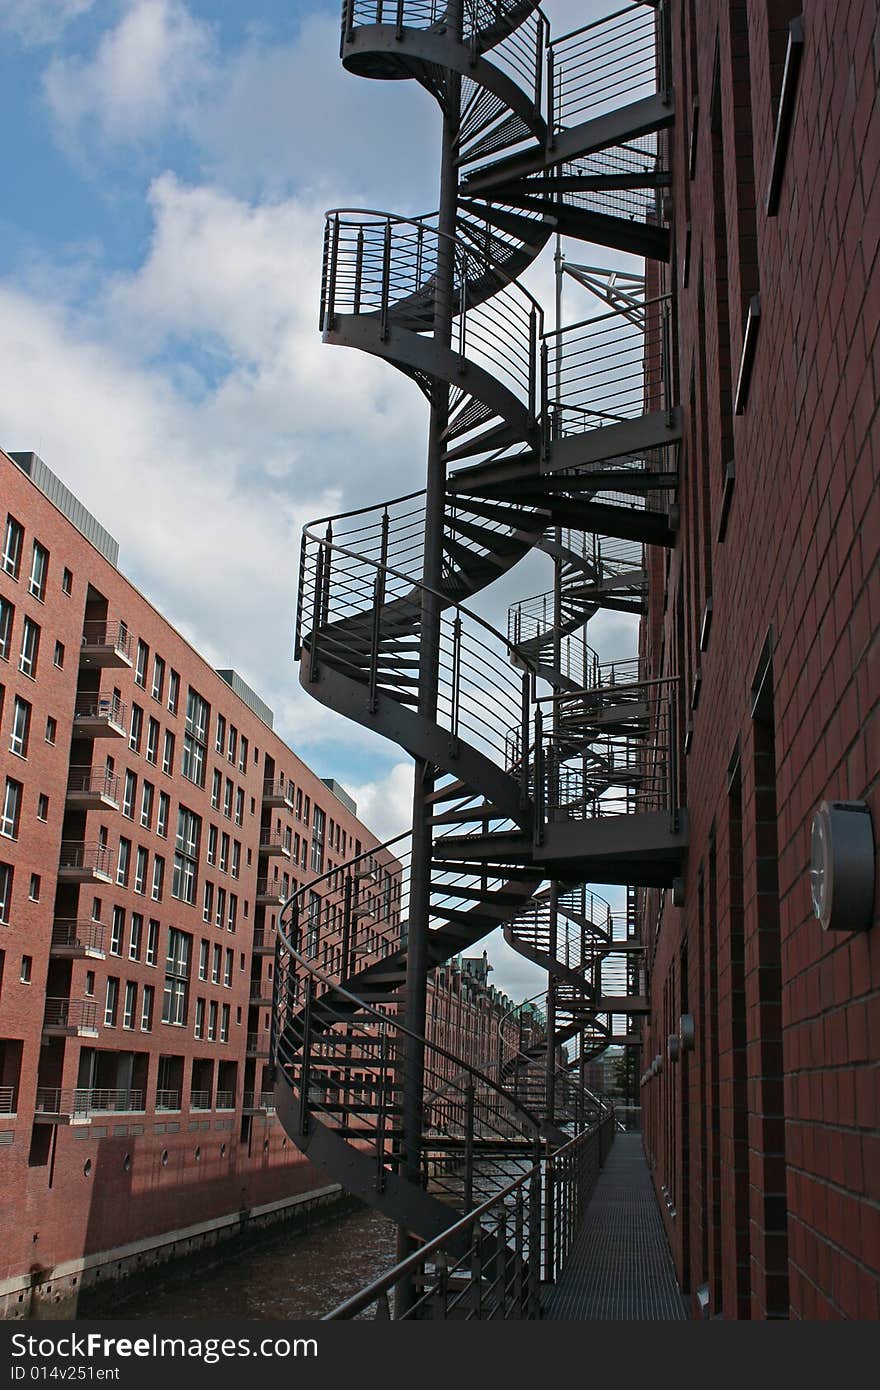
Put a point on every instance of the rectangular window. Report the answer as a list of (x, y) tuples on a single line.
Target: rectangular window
[(211, 854), (239, 806), (5, 892), (227, 799), (233, 911), (220, 736), (224, 853), (12, 543), (30, 648), (216, 784), (135, 936), (208, 903), (189, 827), (162, 817), (173, 691), (168, 753), (147, 805), (216, 964), (34, 893), (128, 794), (140, 870), (158, 687), (27, 964), (59, 655), (220, 919), (51, 729), (195, 738), (212, 1020), (39, 570), (152, 740), (42, 807), (21, 727), (130, 1005), (136, 729), (67, 581), (140, 665), (242, 760), (158, 877), (176, 977), (147, 1009), (236, 858), (7, 614), (11, 809), (317, 861), (152, 942), (232, 750), (117, 927), (123, 862), (227, 970), (199, 1029), (203, 959), (111, 1002), (224, 1023)]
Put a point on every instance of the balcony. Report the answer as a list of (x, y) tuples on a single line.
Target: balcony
[(99, 715), (107, 1100), (167, 1100), (225, 1100), (257, 1045), (77, 940), (105, 645), (264, 943), (198, 1100), (70, 1018), (269, 893), (54, 1106), (261, 993), (258, 1103), (274, 843), (92, 789), (84, 861), (8, 1105), (278, 792)]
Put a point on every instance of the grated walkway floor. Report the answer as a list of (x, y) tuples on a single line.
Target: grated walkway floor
[(619, 1266)]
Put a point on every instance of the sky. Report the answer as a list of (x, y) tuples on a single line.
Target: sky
[(166, 167)]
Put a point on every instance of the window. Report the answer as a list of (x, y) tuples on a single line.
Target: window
[(42, 806), (152, 740), (5, 892), (130, 1005), (189, 828), (220, 919), (12, 543), (212, 1020), (224, 853), (128, 794), (195, 739), (158, 877), (90, 982), (152, 942), (208, 904), (140, 665), (30, 648), (199, 1030), (227, 972), (7, 614), (67, 581), (204, 947), (39, 570), (21, 728), (59, 655), (317, 861), (236, 858), (224, 1023), (176, 977), (162, 817), (123, 862), (216, 964), (147, 1009), (34, 892), (211, 855), (216, 784), (239, 806), (137, 725), (147, 805), (173, 691), (242, 761), (220, 738), (135, 936), (158, 687), (11, 809), (51, 729), (140, 869), (168, 753), (227, 798), (111, 1003), (232, 751), (117, 926), (233, 911)]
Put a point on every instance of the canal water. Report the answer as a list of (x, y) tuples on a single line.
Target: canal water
[(300, 1275)]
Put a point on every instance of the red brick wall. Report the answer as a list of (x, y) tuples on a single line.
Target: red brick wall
[(778, 1212)]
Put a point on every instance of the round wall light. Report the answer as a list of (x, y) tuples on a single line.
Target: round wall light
[(673, 1047), (686, 1032), (842, 866)]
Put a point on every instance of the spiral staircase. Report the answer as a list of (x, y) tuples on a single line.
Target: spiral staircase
[(543, 768)]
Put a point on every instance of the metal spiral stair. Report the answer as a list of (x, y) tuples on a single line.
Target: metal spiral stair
[(549, 455)]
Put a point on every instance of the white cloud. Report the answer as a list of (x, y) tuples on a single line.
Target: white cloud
[(40, 21), (386, 804), (156, 58)]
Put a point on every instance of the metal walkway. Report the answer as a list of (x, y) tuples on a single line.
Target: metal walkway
[(620, 1266)]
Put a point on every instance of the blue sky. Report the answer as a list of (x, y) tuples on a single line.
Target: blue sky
[(165, 171)]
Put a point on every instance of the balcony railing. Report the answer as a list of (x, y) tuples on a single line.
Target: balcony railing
[(274, 842), (102, 636), (225, 1100), (198, 1100), (93, 781), (167, 1100), (85, 1101), (257, 1042), (83, 937), (264, 941), (270, 888), (7, 1100), (89, 856), (278, 791), (258, 1100), (261, 989), (79, 1014)]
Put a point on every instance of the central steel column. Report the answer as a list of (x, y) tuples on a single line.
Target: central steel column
[(429, 659)]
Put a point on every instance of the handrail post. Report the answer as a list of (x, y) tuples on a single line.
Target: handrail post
[(316, 614), (358, 270), (524, 739), (540, 798), (549, 1219), (469, 1145), (456, 681), (551, 98), (386, 281), (331, 287), (347, 962), (381, 1107), (306, 1059), (533, 365)]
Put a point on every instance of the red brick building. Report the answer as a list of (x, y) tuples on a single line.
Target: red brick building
[(762, 1123), (152, 825)]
